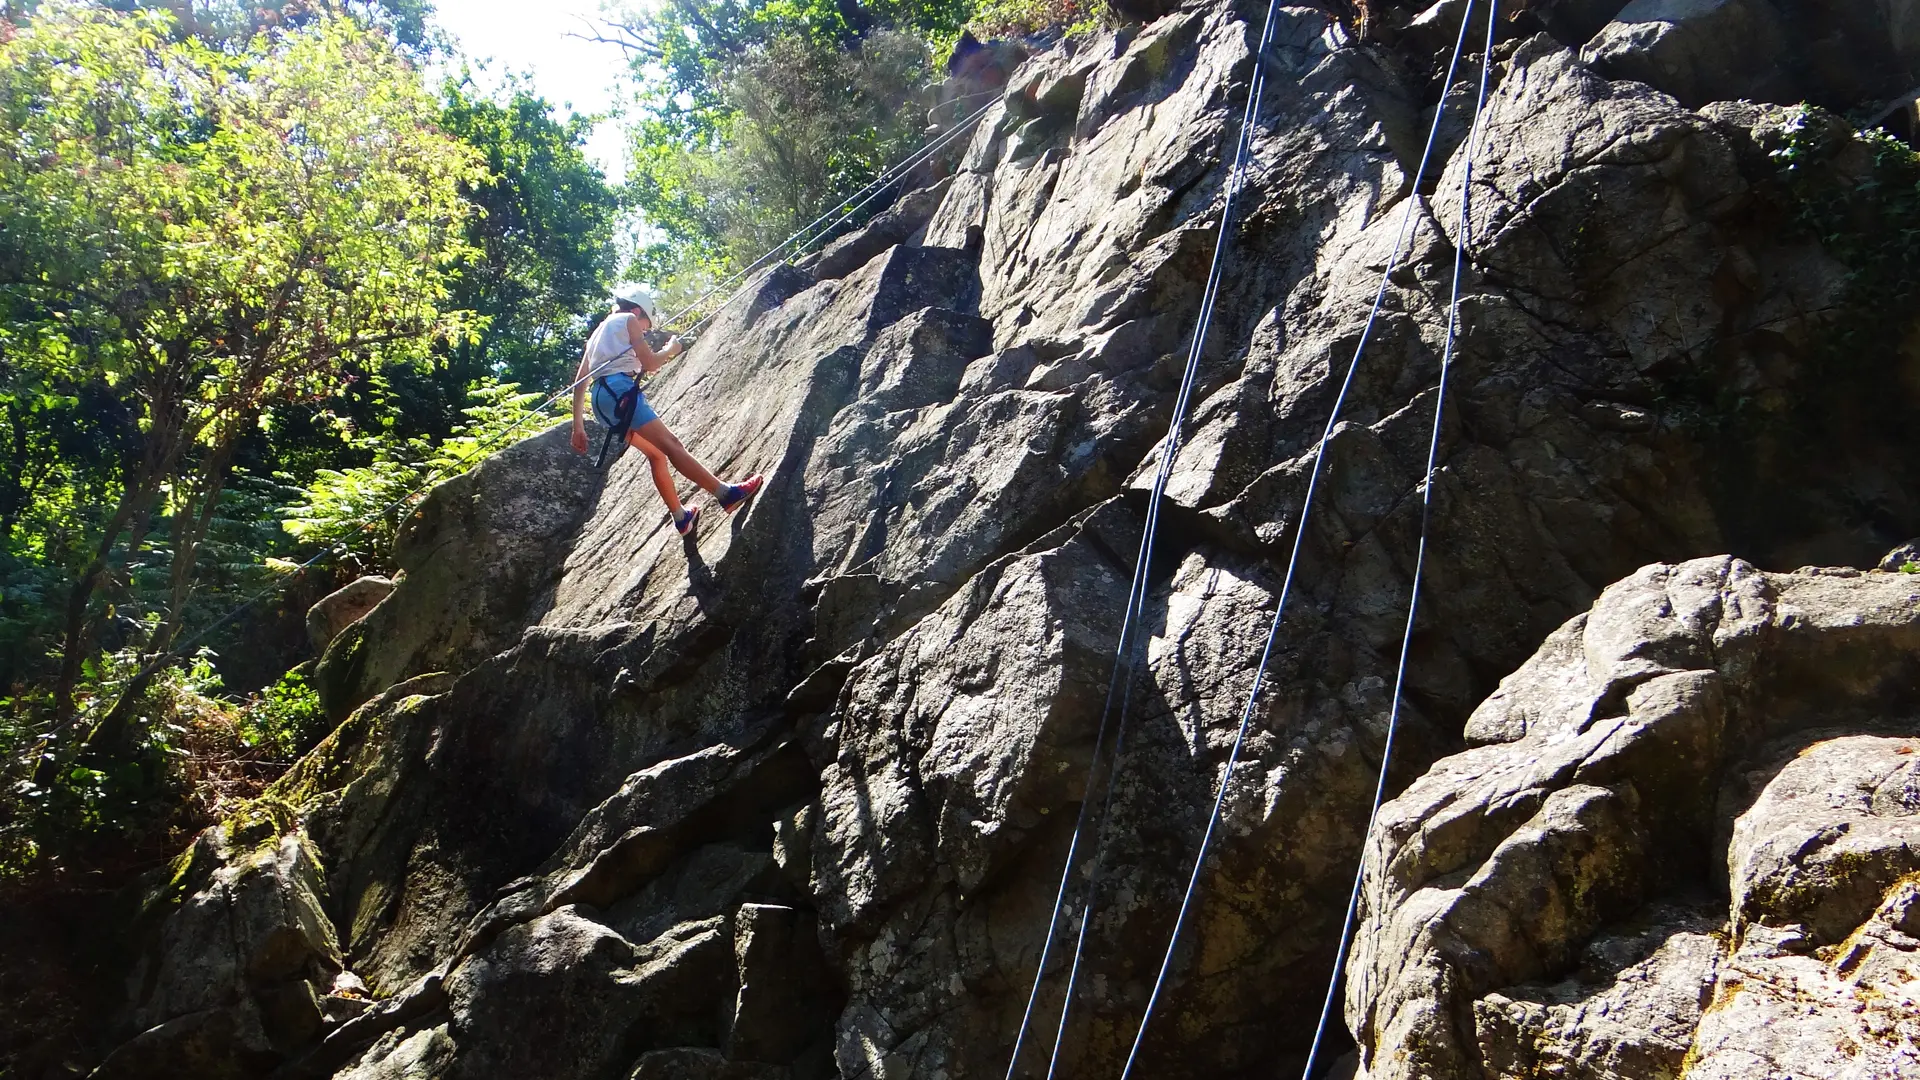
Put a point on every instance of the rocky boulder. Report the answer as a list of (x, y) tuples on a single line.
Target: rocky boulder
[(897, 224), (235, 978), (1677, 844), (472, 560), (1762, 50), (343, 607)]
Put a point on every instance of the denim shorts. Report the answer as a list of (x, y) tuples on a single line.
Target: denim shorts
[(608, 388)]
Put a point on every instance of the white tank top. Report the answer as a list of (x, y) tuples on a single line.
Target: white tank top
[(610, 348)]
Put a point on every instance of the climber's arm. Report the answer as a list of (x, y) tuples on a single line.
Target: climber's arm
[(579, 404), (651, 361)]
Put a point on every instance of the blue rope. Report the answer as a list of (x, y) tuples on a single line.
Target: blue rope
[(1120, 683), (1293, 560), (1420, 557), (1209, 299)]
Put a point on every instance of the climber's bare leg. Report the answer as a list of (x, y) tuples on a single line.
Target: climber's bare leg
[(655, 432), (662, 478)]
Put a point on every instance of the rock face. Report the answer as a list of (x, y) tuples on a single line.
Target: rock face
[(790, 799), (1676, 846), (1764, 50), (250, 952)]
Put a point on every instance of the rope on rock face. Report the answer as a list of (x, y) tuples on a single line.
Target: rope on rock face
[(1216, 274), (865, 195), (1120, 683), (1420, 556), (1300, 529)]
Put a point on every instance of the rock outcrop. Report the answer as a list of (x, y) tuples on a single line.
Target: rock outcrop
[(1781, 51), (790, 799), (1684, 843), (250, 954), (343, 607)]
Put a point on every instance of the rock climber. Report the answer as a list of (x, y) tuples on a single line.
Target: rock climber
[(616, 353)]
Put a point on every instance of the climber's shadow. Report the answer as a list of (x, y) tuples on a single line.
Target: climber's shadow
[(702, 583)]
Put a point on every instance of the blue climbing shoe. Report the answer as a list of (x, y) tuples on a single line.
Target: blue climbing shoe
[(685, 522), (737, 495)]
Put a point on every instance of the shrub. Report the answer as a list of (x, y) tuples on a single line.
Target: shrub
[(196, 755), (359, 509), (1016, 18), (285, 719)]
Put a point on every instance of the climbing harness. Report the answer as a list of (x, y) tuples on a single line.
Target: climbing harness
[(625, 398)]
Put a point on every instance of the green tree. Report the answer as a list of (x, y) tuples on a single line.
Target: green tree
[(541, 249), (60, 440), (799, 122), (542, 239), (237, 21), (208, 232), (687, 43), (540, 252), (813, 122), (756, 113)]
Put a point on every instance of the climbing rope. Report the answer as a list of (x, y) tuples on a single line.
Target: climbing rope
[(1120, 681), (1420, 551), (864, 196), (1209, 299), (804, 237), (1300, 529)]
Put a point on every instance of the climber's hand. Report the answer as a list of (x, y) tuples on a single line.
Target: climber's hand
[(579, 439), (675, 347)]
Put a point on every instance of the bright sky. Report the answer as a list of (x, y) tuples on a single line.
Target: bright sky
[(531, 38)]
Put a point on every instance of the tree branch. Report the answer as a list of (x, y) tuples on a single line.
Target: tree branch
[(629, 39)]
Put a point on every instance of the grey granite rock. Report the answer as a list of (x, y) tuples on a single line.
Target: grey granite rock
[(1611, 778), (344, 607), (233, 979), (1761, 50), (791, 798)]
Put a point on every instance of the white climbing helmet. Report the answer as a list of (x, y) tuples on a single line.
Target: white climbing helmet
[(638, 295)]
